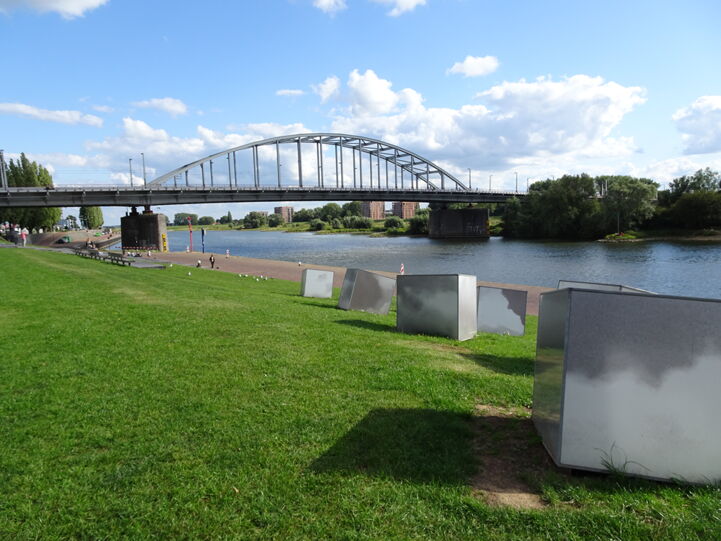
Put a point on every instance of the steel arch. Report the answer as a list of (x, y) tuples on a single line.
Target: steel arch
[(420, 169)]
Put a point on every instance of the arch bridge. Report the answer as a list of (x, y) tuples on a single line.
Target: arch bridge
[(300, 167)]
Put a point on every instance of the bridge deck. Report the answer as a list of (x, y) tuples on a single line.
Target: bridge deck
[(124, 196)]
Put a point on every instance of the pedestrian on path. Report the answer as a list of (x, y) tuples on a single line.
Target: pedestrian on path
[(212, 261), (227, 254)]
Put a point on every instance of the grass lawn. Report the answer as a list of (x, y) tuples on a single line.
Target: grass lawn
[(144, 403)]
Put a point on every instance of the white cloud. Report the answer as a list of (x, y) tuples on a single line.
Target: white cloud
[(289, 92), (370, 95), (172, 106), (518, 123), (475, 66), (327, 89), (103, 108), (700, 125), (68, 9), (65, 117), (401, 6), (330, 6)]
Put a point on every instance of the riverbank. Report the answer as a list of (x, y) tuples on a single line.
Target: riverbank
[(213, 406), (286, 270)]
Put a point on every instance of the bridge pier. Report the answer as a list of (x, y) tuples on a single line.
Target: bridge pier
[(146, 231), (447, 223)]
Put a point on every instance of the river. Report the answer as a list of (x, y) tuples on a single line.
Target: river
[(675, 268)]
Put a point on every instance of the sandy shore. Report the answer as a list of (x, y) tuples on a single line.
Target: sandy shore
[(286, 270)]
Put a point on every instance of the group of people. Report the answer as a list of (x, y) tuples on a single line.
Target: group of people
[(15, 233)]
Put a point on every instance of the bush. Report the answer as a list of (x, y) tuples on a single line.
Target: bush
[(394, 222), (418, 225), (317, 225), (275, 220), (336, 224), (357, 222), (206, 220)]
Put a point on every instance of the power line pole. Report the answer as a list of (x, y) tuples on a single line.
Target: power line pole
[(3, 175)]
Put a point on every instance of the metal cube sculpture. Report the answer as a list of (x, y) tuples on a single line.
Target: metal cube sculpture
[(439, 304), (501, 311), (366, 291), (317, 283), (601, 287), (629, 382)]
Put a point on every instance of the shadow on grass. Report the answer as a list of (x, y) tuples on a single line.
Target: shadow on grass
[(298, 300), (417, 445), (370, 325), (512, 366)]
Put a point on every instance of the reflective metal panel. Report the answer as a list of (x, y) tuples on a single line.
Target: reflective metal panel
[(366, 291), (317, 283), (439, 304), (601, 287), (640, 390), (548, 375), (501, 311)]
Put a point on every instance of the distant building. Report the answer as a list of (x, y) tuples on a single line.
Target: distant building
[(375, 210), (405, 209), (285, 212), (263, 212)]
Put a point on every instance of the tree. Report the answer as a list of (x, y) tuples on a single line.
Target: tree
[(275, 220), (181, 218), (357, 222), (253, 220), (227, 219), (206, 220), (394, 222), (317, 225), (352, 209), (72, 221), (703, 180), (330, 211), (91, 217), (418, 224), (628, 201), (305, 215), (24, 173), (697, 210)]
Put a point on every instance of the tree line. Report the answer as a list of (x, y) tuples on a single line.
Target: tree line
[(585, 207)]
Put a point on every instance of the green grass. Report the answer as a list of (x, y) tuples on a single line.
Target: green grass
[(148, 403)]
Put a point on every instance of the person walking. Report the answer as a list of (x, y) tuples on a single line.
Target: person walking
[(212, 261), (227, 254)]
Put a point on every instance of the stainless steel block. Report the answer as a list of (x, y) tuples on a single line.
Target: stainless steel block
[(439, 304), (501, 311), (601, 287), (366, 291), (317, 283), (629, 382)]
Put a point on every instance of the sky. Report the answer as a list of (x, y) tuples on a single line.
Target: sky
[(498, 87)]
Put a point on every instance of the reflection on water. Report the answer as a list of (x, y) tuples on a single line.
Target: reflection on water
[(677, 268)]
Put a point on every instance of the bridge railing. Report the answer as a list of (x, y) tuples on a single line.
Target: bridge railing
[(267, 188)]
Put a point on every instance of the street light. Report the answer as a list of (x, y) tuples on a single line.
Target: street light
[(469, 178), (527, 179), (145, 180), (130, 165)]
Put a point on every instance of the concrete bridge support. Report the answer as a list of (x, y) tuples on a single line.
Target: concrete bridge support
[(458, 223), (146, 231)]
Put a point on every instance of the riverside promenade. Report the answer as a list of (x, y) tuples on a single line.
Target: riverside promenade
[(285, 270)]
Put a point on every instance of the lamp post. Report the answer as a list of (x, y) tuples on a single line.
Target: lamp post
[(145, 180), (130, 166), (527, 179), (469, 178)]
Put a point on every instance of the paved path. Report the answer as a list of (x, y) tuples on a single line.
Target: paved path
[(286, 270)]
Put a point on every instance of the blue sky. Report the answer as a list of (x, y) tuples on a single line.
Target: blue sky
[(538, 88)]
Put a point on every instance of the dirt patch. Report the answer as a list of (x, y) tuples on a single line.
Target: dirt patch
[(445, 356), (509, 452)]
